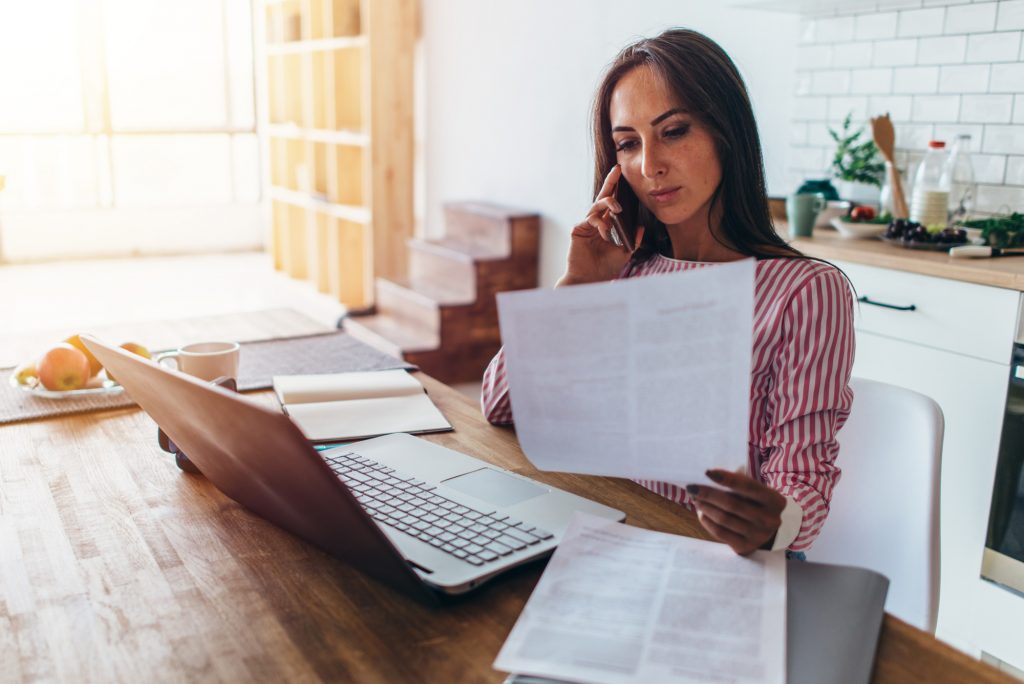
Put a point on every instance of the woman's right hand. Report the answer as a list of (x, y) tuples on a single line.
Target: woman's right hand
[(593, 257)]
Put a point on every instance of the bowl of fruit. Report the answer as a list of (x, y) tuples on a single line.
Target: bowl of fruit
[(912, 235), (861, 223), (69, 369)]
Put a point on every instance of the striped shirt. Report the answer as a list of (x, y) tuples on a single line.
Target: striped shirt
[(799, 384)]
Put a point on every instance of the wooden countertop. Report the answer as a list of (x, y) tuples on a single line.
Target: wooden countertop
[(1006, 272)]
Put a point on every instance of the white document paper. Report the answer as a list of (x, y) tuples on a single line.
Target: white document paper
[(644, 378), (619, 604)]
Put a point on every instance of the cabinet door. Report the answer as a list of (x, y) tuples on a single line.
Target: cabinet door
[(971, 393)]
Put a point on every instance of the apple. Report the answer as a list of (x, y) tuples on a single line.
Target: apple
[(26, 374), (137, 349), (64, 368), (134, 348), (94, 364)]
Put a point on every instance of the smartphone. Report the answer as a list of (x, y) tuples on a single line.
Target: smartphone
[(624, 223)]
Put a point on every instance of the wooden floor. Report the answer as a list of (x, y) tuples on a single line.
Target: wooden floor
[(41, 304)]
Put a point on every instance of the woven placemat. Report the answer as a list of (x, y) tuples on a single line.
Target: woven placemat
[(332, 352)]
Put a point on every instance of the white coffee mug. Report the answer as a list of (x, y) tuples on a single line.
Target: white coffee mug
[(206, 360)]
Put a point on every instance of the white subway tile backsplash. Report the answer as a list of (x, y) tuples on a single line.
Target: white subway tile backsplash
[(898, 4), (839, 107), (871, 81), (950, 132), (830, 82), (913, 137), (993, 47), (897, 106), (988, 168), (851, 55), (817, 133), (807, 158), (973, 18), (875, 26), (915, 80), (895, 52), (986, 108), (944, 50), (1011, 15), (803, 84), (940, 68), (971, 78), (936, 108), (921, 22), (811, 108), (1006, 78), (814, 56), (834, 30), (1000, 198), (807, 27), (798, 134), (1003, 140), (1015, 171)]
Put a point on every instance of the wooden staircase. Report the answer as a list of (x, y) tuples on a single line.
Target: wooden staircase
[(444, 316)]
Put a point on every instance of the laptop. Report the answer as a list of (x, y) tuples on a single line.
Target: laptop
[(423, 518)]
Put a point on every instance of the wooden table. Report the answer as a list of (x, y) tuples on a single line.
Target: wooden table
[(114, 565)]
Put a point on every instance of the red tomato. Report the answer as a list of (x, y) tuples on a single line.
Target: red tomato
[(862, 213)]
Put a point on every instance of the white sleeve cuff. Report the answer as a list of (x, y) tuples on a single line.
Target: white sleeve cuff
[(792, 515)]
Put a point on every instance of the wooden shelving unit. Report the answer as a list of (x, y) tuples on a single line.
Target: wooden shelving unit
[(340, 109)]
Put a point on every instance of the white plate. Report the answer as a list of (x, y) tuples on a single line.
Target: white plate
[(858, 229), (96, 385)]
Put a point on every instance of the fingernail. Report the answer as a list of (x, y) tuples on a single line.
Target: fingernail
[(616, 206), (714, 475), (693, 489)]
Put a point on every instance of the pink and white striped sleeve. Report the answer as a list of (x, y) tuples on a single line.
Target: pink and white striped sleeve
[(810, 399), (494, 399)]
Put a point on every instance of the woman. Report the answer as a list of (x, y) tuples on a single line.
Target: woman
[(678, 163)]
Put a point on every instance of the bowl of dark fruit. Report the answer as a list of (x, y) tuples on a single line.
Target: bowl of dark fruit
[(913, 235)]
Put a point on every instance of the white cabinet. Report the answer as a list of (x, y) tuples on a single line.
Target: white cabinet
[(953, 346)]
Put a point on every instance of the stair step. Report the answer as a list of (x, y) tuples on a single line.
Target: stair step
[(505, 230), (434, 293), (391, 335), (459, 250), (435, 266), (399, 300)]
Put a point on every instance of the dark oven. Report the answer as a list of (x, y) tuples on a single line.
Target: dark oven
[(1004, 546)]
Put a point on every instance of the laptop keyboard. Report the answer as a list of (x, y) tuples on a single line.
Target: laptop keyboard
[(414, 507)]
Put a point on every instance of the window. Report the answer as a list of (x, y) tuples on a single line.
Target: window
[(127, 126)]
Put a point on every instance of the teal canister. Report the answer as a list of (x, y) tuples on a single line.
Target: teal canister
[(821, 187)]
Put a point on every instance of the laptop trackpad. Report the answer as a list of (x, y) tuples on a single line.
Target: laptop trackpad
[(495, 487)]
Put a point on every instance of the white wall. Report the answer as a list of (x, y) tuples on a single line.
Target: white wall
[(508, 89)]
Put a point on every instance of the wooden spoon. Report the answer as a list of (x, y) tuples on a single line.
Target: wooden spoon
[(885, 138)]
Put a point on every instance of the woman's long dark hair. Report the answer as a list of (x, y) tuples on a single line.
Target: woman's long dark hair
[(702, 77)]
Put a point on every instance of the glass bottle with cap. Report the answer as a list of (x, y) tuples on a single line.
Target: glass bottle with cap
[(930, 196), (962, 188)]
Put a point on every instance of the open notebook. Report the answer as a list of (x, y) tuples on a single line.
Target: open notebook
[(340, 406)]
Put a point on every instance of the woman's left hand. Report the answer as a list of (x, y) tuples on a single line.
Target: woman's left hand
[(745, 514)]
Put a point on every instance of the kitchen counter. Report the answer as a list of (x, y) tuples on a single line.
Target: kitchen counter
[(1004, 272)]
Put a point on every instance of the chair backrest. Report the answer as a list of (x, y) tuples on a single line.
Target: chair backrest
[(885, 510)]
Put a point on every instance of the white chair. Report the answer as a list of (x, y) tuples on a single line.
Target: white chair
[(885, 509)]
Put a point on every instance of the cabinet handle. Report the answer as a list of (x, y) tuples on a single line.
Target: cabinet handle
[(865, 300)]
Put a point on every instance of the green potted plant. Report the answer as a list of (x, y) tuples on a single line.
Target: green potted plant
[(856, 165)]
